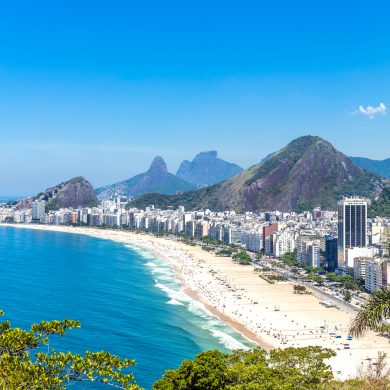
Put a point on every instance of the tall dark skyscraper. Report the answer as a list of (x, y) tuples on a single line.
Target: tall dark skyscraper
[(331, 253), (352, 226)]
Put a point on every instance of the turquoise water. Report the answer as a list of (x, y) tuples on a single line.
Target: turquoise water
[(127, 300), (6, 199)]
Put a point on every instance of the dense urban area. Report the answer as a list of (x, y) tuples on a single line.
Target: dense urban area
[(342, 255)]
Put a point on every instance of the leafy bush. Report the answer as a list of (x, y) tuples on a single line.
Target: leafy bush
[(381, 206), (242, 258), (20, 368), (290, 368)]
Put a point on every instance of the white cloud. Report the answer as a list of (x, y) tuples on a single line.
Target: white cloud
[(372, 111)]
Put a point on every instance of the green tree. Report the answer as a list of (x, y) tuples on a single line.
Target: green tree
[(331, 276), (224, 253), (290, 258), (299, 289), (207, 371), (242, 258), (288, 369), (314, 277), (347, 296), (20, 368), (380, 206), (373, 314)]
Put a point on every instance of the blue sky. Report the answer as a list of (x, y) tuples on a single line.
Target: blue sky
[(98, 88)]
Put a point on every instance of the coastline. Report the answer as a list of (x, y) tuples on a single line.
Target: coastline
[(240, 328), (187, 290), (268, 315), (193, 294)]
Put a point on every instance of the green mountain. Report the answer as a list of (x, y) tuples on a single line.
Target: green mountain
[(308, 172), (381, 167), (156, 179), (74, 193), (381, 205), (206, 169)]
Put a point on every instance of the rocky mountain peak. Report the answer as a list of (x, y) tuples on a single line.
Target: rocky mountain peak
[(156, 179), (306, 173), (158, 166), (76, 192), (207, 169), (204, 155)]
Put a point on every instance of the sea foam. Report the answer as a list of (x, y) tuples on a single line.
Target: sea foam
[(229, 341), (174, 302), (164, 279)]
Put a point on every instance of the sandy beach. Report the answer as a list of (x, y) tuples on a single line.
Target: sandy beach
[(270, 315)]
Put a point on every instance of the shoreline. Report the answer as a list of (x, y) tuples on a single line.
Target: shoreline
[(187, 290), (270, 316), (240, 328), (237, 326)]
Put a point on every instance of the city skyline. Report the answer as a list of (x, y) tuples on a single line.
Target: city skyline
[(129, 82), (198, 191)]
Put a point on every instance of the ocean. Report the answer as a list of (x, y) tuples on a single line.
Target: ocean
[(6, 199), (128, 301)]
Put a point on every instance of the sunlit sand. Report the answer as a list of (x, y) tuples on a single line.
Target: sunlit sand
[(270, 315)]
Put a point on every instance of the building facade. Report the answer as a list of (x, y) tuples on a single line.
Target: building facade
[(352, 227)]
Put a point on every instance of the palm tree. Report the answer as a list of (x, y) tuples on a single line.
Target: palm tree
[(373, 314)]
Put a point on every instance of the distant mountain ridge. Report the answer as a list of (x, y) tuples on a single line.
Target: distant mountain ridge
[(308, 172), (381, 167), (74, 193), (206, 169), (157, 179)]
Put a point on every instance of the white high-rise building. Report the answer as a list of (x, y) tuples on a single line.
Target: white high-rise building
[(360, 265), (309, 251), (352, 227), (38, 211), (284, 242), (377, 274), (352, 253)]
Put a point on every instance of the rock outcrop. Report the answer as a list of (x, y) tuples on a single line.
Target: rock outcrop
[(206, 169)]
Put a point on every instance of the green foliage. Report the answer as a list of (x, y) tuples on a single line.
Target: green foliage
[(381, 167), (304, 206), (265, 269), (347, 296), (346, 281), (299, 289), (290, 258), (210, 241), (52, 204), (266, 279), (292, 152), (311, 269), (242, 258), (191, 200), (20, 368), (278, 278), (225, 253), (332, 276), (290, 368), (207, 371), (259, 256), (314, 277), (381, 206), (305, 156), (372, 314), (93, 203)]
